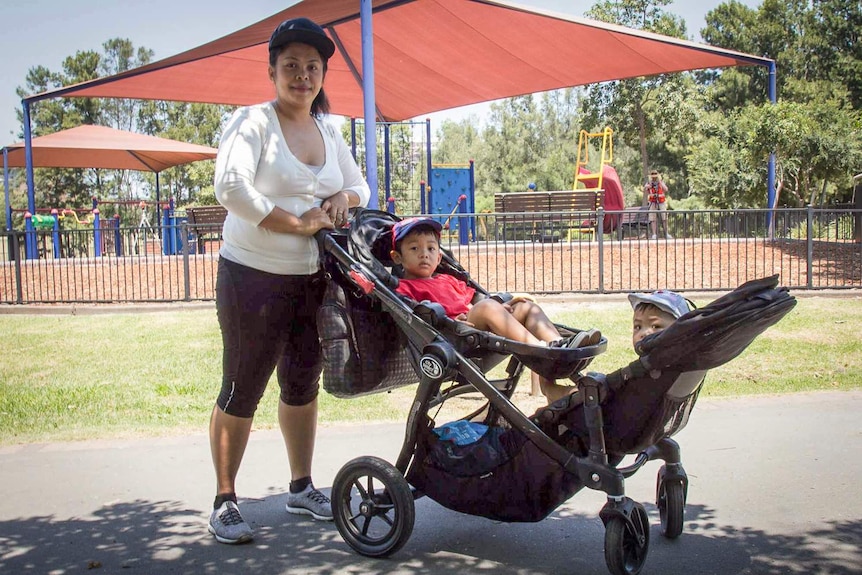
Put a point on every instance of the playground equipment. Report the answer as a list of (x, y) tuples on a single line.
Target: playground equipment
[(406, 148), (605, 179), (106, 233), (45, 226), (452, 191)]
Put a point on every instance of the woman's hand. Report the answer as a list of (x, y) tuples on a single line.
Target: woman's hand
[(336, 207), (314, 220)]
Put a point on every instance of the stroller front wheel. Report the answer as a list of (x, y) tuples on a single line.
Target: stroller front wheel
[(627, 542), (670, 501), (372, 506)]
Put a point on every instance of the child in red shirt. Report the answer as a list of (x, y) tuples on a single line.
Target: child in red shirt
[(416, 247)]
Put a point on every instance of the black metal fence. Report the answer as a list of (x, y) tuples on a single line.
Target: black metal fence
[(548, 253)]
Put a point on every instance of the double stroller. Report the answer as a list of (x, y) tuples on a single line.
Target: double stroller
[(497, 461)]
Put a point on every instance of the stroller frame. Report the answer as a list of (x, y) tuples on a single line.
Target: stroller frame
[(372, 501)]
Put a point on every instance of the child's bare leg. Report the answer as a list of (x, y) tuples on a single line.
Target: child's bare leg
[(533, 318), (490, 315), (553, 390)]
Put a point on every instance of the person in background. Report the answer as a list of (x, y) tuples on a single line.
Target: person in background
[(283, 174), (655, 197)]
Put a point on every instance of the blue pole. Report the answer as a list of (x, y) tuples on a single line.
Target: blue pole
[(428, 148), (118, 237), (169, 242), (97, 234), (55, 234), (472, 192), (771, 200), (28, 159), (30, 246), (387, 175), (773, 97), (31, 250), (369, 101), (6, 189)]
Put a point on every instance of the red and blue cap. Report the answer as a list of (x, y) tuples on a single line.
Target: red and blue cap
[(405, 226)]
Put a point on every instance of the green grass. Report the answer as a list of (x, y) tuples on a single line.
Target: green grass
[(73, 377)]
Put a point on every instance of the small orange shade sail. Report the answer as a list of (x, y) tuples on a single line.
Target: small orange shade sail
[(91, 146)]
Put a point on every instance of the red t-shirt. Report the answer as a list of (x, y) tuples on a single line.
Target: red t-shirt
[(453, 294)]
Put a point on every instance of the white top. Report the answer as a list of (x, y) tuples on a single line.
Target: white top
[(256, 171)]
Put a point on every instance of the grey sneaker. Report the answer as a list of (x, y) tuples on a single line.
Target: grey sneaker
[(310, 501), (580, 339), (228, 526)]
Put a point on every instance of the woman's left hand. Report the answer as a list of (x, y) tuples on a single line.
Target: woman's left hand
[(336, 207)]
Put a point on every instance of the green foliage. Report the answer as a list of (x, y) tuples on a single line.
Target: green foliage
[(67, 188), (633, 107), (408, 162)]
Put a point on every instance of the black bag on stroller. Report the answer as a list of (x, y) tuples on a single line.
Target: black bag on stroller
[(363, 350)]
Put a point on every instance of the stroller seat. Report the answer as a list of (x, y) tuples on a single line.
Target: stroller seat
[(375, 357)]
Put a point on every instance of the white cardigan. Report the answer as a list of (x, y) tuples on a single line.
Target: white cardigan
[(256, 171)]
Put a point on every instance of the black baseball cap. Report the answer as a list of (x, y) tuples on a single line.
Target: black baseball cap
[(304, 31)]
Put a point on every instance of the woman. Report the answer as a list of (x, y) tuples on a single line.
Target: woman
[(283, 174)]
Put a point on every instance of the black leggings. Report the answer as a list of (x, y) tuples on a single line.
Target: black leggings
[(267, 321)]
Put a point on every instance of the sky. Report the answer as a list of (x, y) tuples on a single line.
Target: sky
[(45, 32)]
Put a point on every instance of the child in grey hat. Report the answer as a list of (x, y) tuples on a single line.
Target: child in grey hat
[(654, 312)]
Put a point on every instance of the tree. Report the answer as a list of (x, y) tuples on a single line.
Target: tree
[(814, 128), (196, 123), (628, 105), (186, 122), (62, 187), (808, 157)]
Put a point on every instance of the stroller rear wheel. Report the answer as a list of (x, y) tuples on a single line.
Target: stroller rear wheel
[(627, 543), (373, 507)]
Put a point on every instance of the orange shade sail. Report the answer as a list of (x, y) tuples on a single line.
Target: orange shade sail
[(91, 146), (429, 55)]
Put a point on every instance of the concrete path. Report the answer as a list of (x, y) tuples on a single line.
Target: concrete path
[(774, 489)]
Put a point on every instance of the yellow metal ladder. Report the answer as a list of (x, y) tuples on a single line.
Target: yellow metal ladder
[(607, 156)]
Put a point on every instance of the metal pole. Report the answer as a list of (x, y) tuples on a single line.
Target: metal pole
[(187, 277), (369, 101), (809, 252), (31, 250), (6, 189), (428, 148), (387, 163), (770, 178), (600, 235)]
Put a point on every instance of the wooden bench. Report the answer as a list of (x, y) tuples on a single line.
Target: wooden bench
[(633, 221), (544, 216), (205, 223)]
